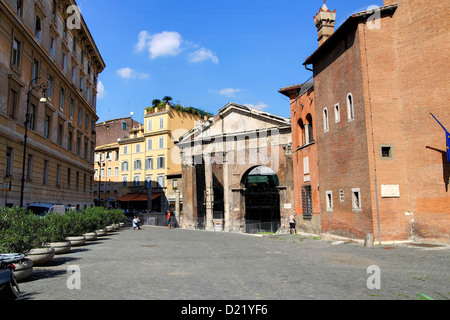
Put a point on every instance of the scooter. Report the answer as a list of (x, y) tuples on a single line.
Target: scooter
[(9, 289)]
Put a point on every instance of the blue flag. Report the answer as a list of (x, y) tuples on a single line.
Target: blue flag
[(447, 137)]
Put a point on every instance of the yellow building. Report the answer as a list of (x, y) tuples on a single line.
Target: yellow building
[(43, 50), (149, 155)]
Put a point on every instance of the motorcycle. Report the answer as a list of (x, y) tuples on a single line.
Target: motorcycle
[(9, 289)]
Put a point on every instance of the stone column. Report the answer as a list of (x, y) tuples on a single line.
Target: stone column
[(209, 193), (226, 195), (177, 206)]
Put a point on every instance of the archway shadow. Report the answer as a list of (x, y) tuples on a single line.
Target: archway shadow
[(445, 167)]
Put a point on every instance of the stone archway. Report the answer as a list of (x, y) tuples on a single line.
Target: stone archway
[(262, 200)]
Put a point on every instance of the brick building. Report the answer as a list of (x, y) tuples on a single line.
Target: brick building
[(381, 156), (46, 44), (304, 156)]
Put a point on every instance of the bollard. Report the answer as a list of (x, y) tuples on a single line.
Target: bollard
[(368, 242)]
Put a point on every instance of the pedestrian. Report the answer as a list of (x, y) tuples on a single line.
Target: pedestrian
[(292, 223), (168, 219), (136, 223)]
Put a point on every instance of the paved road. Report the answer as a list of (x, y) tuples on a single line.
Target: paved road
[(177, 264)]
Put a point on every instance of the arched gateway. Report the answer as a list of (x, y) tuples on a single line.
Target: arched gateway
[(237, 172)]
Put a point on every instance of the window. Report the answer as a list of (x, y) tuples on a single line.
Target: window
[(52, 47), (124, 165), (32, 123), (35, 70), (69, 140), (161, 143), (77, 180), (329, 200), (38, 28), (137, 164), (350, 107), (124, 125), (13, 103), (138, 148), (149, 124), (71, 106), (116, 171), (148, 181), (96, 173), (30, 167), (161, 123), (80, 115), (175, 184), (386, 152), (16, 53), (307, 200), (356, 199), (149, 144), (102, 172), (124, 181), (64, 60), (309, 137), (326, 124), (9, 162), (149, 164), (160, 181), (337, 113), (50, 88), (61, 99), (115, 187), (136, 180), (125, 149), (19, 7), (59, 134), (160, 164), (47, 124), (54, 9), (78, 145)]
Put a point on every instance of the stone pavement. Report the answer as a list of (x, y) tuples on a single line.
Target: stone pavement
[(176, 264)]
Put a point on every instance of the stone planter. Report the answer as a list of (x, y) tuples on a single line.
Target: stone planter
[(77, 241), (116, 226), (121, 224), (90, 236), (101, 232), (41, 256), (61, 247), (110, 228), (24, 269)]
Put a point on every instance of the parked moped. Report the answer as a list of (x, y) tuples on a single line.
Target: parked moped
[(9, 289)]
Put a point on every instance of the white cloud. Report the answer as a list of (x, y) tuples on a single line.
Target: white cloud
[(128, 73), (228, 92), (100, 90), (166, 43), (171, 43), (260, 106), (203, 55)]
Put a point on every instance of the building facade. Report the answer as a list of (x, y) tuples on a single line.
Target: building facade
[(148, 157), (304, 156), (237, 172), (47, 45), (381, 156)]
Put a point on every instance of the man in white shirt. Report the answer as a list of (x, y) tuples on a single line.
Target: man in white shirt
[(292, 223)]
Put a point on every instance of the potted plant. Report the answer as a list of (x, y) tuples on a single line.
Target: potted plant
[(75, 228), (56, 233)]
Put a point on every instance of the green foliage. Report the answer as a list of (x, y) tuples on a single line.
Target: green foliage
[(21, 230)]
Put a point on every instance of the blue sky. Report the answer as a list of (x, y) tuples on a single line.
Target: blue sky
[(204, 53)]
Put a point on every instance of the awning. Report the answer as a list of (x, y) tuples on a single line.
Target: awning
[(128, 197), (143, 197)]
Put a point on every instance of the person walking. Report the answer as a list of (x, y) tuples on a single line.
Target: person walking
[(292, 223), (168, 219)]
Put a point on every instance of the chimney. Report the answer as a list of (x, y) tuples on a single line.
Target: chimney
[(324, 21)]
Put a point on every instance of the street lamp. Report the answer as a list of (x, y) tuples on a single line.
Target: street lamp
[(31, 87)]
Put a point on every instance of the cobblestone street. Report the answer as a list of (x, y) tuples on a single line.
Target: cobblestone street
[(176, 264)]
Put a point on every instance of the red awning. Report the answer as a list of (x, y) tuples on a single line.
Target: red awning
[(128, 197), (143, 197)]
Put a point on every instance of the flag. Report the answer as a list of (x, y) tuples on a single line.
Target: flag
[(447, 137)]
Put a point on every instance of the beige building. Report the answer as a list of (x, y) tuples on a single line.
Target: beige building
[(149, 156), (46, 46)]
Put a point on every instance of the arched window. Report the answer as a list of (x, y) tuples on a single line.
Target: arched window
[(325, 120), (350, 107), (301, 133), (309, 137)]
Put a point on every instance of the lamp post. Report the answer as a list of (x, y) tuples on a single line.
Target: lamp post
[(31, 87)]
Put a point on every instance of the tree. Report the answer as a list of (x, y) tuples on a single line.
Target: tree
[(156, 102), (166, 99)]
